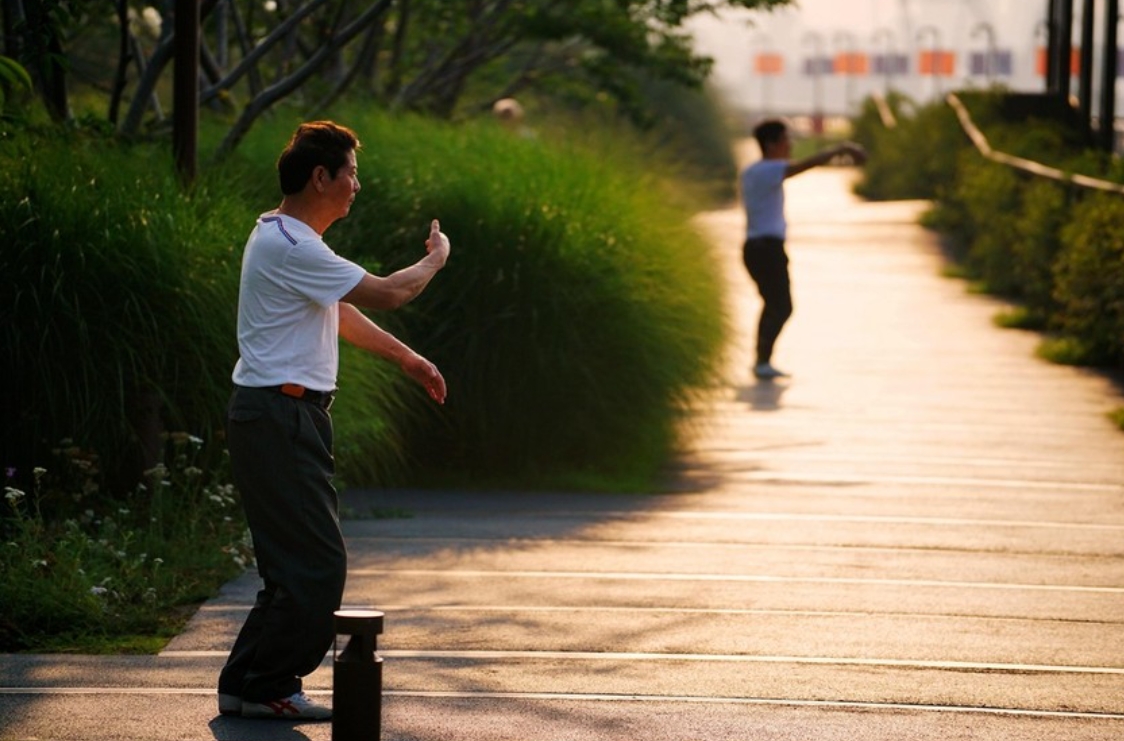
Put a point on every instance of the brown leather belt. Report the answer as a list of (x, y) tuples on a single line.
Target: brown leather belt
[(322, 399)]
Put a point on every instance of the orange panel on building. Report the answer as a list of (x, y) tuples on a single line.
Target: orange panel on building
[(939, 62), (768, 64), (1074, 61), (852, 63)]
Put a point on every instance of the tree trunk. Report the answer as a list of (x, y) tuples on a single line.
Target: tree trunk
[(45, 56)]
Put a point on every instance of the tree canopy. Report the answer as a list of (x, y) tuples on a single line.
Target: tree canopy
[(444, 58)]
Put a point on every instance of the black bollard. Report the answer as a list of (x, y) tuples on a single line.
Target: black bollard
[(357, 677)]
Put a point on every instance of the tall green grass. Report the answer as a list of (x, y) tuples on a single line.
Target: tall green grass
[(119, 294), (575, 316)]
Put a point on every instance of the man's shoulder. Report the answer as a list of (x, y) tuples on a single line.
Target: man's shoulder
[(764, 168), (274, 226)]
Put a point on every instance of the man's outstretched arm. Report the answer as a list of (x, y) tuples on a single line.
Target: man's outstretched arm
[(400, 287), (857, 153)]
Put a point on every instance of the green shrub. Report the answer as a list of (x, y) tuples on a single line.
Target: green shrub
[(121, 567), (1017, 317), (913, 160), (690, 139), (989, 195), (1090, 277), (118, 300), (576, 314), (1046, 206)]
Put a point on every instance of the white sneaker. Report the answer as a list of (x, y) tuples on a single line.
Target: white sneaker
[(230, 704), (296, 707), (765, 371)]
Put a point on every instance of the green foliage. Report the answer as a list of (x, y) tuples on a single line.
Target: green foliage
[(689, 137), (1090, 277), (913, 160), (14, 83), (1018, 317), (989, 195), (448, 59), (576, 314), (571, 262), (1046, 206), (111, 569), (119, 298), (1066, 350)]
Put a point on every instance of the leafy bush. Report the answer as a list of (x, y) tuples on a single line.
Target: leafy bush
[(118, 300), (1090, 277), (989, 196), (913, 160), (577, 312), (1046, 206), (114, 568)]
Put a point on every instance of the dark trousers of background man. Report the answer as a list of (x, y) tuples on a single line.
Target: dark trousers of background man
[(767, 262)]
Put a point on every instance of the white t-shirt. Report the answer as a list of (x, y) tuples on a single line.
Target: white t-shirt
[(288, 306), (762, 190)]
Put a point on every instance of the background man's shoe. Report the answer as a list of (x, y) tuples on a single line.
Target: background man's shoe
[(766, 371), (296, 707)]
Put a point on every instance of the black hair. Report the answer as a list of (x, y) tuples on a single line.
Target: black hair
[(314, 144), (769, 132)]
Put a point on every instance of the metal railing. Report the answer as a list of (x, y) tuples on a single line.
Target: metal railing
[(1020, 163)]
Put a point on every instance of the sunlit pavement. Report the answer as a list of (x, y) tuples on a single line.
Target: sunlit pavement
[(918, 535)]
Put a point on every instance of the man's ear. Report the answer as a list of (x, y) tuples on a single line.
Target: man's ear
[(319, 177)]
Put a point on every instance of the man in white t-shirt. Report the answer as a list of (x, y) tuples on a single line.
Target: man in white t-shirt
[(296, 299), (762, 192)]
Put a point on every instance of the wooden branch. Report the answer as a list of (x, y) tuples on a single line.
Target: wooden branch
[(123, 51), (286, 86), (366, 54), (250, 61), (246, 47)]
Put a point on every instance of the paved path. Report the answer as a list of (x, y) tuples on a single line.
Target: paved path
[(920, 535)]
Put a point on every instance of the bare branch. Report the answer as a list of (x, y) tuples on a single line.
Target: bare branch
[(366, 54), (284, 87), (250, 60)]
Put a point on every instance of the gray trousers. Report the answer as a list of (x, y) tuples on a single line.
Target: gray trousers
[(282, 465)]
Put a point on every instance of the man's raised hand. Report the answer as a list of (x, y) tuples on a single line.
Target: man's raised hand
[(438, 243)]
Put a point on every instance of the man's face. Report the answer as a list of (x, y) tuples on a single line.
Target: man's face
[(342, 188), (781, 148)]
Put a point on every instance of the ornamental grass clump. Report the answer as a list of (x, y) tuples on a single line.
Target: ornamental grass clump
[(578, 312), (120, 289)]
